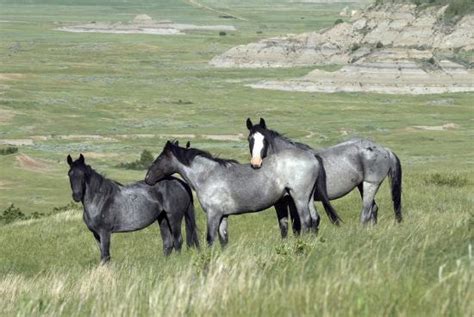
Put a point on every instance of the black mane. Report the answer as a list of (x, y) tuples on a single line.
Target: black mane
[(186, 156), (99, 183), (271, 134)]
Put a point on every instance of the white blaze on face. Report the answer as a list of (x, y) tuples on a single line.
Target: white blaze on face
[(257, 149)]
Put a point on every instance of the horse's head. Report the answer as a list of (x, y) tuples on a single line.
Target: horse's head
[(164, 165), (258, 143), (78, 172)]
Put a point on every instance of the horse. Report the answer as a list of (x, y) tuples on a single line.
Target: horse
[(226, 187), (111, 207), (356, 163)]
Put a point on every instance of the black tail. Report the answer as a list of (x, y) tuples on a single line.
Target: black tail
[(395, 175), (321, 194), (192, 239)]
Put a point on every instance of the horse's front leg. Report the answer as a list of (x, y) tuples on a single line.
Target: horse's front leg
[(104, 246), (223, 234), (213, 222), (281, 208)]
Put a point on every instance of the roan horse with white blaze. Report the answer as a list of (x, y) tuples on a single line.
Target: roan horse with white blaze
[(225, 187), (111, 207), (356, 163)]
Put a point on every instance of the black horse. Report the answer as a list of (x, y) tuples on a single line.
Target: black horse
[(111, 207)]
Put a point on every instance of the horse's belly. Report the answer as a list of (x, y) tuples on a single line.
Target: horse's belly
[(341, 179)]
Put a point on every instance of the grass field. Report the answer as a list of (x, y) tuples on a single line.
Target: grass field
[(112, 96)]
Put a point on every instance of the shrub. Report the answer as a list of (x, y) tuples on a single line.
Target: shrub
[(12, 214), (355, 47), (379, 45), (146, 158), (222, 33), (8, 150), (338, 21)]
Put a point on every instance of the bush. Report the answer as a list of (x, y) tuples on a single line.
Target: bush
[(222, 33), (338, 21), (12, 214), (8, 150), (355, 47), (379, 45), (146, 158)]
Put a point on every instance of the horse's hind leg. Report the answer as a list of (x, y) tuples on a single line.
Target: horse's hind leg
[(281, 208), (295, 218), (166, 235), (369, 207), (223, 233), (375, 207), (175, 225), (315, 218)]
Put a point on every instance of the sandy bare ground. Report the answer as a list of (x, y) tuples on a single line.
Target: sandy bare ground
[(11, 76), (6, 115), (28, 163), (16, 142), (143, 24), (118, 137), (444, 127), (390, 71), (4, 185)]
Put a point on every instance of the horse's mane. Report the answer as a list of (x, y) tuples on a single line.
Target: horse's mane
[(186, 156), (271, 134), (99, 183)]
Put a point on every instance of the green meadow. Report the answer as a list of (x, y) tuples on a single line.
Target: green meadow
[(111, 96)]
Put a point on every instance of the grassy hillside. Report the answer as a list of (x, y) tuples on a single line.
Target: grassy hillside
[(112, 96)]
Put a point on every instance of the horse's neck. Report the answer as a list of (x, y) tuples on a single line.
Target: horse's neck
[(197, 173), (279, 144), (94, 193)]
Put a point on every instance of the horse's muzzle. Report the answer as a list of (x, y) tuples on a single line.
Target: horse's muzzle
[(256, 163), (76, 197), (150, 180)]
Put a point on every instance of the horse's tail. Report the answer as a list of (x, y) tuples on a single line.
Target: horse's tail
[(321, 193), (395, 176), (192, 239)]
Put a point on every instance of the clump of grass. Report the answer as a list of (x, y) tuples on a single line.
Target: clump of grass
[(451, 180), (69, 206), (8, 150), (146, 158), (222, 33)]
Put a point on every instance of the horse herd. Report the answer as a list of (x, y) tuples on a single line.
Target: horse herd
[(284, 174)]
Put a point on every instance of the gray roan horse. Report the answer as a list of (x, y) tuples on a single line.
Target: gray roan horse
[(225, 187), (357, 163), (111, 207)]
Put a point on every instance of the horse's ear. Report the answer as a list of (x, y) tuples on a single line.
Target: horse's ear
[(249, 124), (167, 145), (69, 160), (262, 123), (81, 158), (188, 144), (176, 143)]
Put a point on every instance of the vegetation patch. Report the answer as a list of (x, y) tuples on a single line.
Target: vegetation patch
[(8, 150), (146, 158), (451, 180)]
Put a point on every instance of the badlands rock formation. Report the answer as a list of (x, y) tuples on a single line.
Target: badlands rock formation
[(386, 49), (395, 26)]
